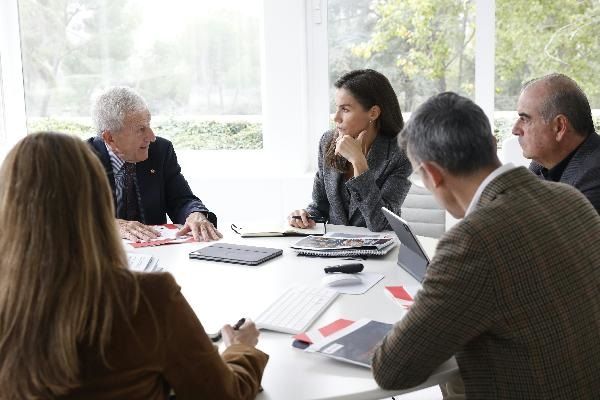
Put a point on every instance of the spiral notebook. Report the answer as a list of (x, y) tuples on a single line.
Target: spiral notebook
[(347, 252), (336, 244)]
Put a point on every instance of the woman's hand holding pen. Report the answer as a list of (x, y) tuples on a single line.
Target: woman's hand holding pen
[(246, 333), (300, 219)]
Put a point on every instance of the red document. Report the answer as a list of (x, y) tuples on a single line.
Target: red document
[(400, 296), (167, 236), (303, 340)]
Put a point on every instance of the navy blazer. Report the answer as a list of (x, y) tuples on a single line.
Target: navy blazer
[(163, 189), (583, 170), (358, 201)]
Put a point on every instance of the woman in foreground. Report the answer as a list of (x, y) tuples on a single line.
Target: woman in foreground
[(74, 322)]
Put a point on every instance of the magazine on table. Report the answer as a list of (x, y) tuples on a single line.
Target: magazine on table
[(344, 241), (355, 343)]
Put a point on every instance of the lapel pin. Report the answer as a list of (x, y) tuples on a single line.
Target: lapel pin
[(152, 171)]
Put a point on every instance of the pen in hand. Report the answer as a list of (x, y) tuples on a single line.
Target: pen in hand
[(316, 219), (239, 324), (218, 336)]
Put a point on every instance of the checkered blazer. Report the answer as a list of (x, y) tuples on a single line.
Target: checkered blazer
[(583, 170), (514, 293)]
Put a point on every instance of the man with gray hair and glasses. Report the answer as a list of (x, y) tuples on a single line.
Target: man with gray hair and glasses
[(556, 131), (512, 291), (143, 171)]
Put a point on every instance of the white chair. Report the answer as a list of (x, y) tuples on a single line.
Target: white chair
[(422, 211), (511, 152)]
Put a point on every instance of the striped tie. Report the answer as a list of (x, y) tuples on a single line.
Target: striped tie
[(131, 200)]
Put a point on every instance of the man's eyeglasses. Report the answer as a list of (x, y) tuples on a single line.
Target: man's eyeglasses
[(415, 177)]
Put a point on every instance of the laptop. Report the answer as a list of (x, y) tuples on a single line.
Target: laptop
[(411, 257)]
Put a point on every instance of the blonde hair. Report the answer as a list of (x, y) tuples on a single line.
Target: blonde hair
[(62, 268)]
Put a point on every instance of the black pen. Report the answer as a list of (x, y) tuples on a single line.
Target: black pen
[(316, 219), (239, 324), (218, 336)]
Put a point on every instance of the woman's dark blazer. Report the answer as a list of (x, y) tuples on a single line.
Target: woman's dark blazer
[(358, 201)]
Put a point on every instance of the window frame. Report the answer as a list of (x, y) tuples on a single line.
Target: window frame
[(2, 124), (12, 105)]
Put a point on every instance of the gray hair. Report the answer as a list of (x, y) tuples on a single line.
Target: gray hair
[(111, 107), (564, 96), (451, 131)]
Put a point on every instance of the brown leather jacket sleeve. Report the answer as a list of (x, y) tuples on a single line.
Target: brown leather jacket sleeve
[(193, 366)]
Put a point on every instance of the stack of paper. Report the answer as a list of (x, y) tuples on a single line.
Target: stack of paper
[(336, 244), (143, 262)]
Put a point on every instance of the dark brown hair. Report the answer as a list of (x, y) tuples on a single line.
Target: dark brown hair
[(369, 88)]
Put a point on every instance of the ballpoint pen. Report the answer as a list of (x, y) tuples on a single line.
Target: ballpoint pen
[(218, 336), (316, 219), (239, 324)]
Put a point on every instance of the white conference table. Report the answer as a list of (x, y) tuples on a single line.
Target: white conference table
[(222, 293)]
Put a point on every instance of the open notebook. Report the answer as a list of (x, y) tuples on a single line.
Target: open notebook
[(272, 230)]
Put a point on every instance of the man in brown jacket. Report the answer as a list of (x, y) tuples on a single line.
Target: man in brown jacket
[(513, 289)]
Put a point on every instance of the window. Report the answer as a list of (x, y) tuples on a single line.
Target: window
[(423, 47), (2, 123), (196, 62), (535, 38), (12, 106)]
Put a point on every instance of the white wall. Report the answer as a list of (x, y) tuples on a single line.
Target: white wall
[(264, 199)]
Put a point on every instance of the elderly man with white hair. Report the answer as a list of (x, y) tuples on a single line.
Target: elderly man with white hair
[(143, 171)]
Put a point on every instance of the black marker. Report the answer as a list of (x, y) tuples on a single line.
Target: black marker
[(345, 268)]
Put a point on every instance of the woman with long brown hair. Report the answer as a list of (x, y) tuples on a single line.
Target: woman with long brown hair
[(74, 322), (361, 167)]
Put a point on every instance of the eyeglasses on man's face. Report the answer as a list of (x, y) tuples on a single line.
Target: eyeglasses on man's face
[(415, 178)]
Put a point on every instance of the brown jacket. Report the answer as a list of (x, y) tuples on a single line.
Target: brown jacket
[(166, 347), (514, 292)]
